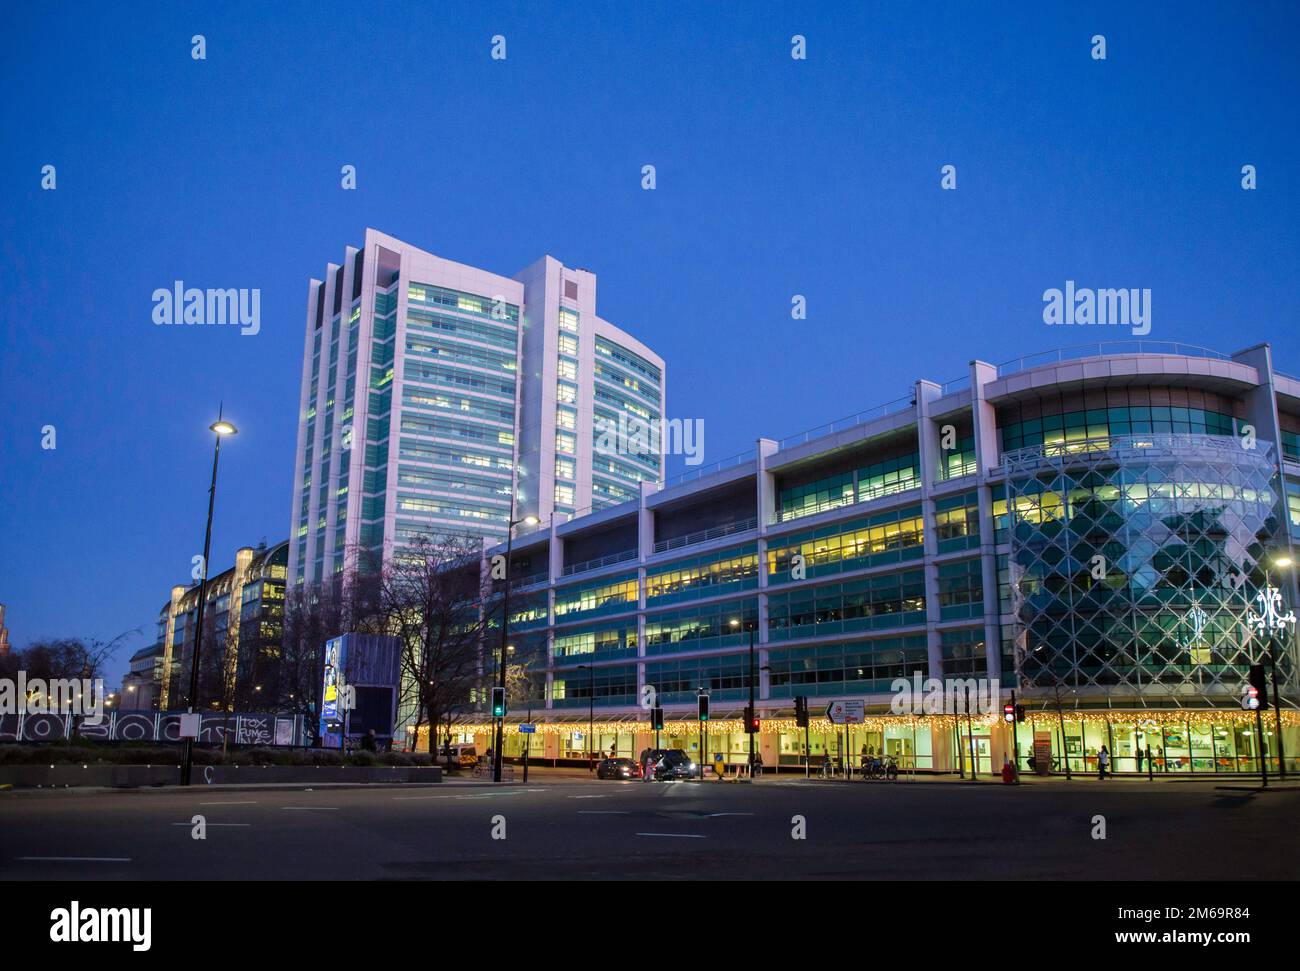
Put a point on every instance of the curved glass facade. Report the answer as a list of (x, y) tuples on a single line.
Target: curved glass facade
[(1135, 563)]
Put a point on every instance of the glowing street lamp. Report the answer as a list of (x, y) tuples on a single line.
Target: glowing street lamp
[(220, 428)]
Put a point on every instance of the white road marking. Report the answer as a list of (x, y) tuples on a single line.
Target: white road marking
[(684, 836), (605, 796), (714, 815), (77, 859), (247, 802), (214, 824), (309, 807)]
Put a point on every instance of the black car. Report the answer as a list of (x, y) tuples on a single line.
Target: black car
[(672, 763), (618, 769)]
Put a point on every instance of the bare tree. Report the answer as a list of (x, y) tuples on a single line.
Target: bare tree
[(431, 597), (313, 614), (68, 659)]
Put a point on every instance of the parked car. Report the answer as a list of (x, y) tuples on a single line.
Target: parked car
[(618, 769), (672, 763)]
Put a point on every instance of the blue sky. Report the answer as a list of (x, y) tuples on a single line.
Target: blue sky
[(775, 177)]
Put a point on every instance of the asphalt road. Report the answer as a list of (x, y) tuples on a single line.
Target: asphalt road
[(579, 829)]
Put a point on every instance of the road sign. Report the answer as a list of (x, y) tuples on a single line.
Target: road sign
[(852, 712), (528, 729)]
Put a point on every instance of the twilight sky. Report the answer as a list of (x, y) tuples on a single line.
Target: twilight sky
[(775, 177)]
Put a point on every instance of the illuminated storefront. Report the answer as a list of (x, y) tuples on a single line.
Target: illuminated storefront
[(1091, 529)]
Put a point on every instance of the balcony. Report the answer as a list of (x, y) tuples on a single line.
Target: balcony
[(703, 536), (588, 565)]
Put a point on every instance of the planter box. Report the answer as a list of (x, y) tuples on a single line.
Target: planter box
[(136, 776), (130, 776), (320, 774)]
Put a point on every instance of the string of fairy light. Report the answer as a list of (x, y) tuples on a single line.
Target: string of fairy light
[(945, 722)]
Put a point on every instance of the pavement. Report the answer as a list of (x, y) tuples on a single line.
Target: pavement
[(581, 829)]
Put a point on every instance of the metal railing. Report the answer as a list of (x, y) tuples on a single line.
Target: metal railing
[(691, 474), (955, 385), (864, 494), (852, 421), (1138, 444), (703, 536), (1081, 352), (596, 564)]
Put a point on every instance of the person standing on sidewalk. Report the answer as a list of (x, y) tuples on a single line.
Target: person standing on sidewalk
[(1103, 763), (1139, 758)]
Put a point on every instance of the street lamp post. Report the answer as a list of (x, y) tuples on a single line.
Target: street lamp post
[(591, 709), (219, 428), (1060, 718), (704, 731), (1282, 562), (752, 712), (505, 634)]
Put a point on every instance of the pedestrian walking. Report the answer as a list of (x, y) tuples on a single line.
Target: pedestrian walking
[(1139, 758), (1103, 762)]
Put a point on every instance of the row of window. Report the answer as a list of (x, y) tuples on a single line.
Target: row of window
[(1103, 422), (873, 481)]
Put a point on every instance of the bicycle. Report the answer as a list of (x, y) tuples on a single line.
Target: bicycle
[(827, 769), (881, 768)]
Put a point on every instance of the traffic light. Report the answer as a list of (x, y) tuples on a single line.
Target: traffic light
[(704, 707), (1258, 696), (498, 702), (752, 721), (1020, 713), (801, 711), (1009, 713), (657, 719)]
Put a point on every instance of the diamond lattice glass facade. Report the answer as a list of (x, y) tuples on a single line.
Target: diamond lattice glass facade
[(1136, 560)]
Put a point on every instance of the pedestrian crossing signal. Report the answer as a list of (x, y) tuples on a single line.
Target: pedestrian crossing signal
[(801, 711)]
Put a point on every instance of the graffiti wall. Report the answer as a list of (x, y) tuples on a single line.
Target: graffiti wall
[(155, 726)]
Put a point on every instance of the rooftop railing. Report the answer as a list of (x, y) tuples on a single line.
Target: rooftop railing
[(955, 385), (699, 472), (852, 421), (1081, 352)]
